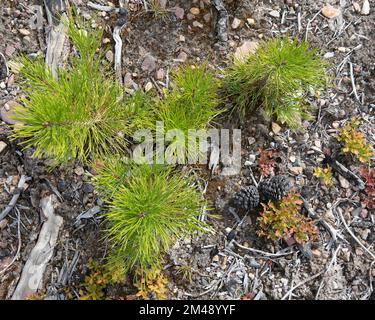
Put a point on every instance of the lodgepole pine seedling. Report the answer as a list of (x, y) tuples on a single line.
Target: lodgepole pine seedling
[(149, 208), (79, 115), (275, 78), (191, 104)]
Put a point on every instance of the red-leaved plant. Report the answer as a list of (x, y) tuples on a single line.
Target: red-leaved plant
[(369, 175), (283, 220)]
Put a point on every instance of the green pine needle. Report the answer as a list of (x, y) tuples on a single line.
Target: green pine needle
[(78, 115), (276, 78), (150, 207), (192, 104)]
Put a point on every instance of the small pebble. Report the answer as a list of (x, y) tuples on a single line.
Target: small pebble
[(3, 145), (197, 24), (24, 32), (274, 13), (330, 12), (236, 23), (194, 11), (365, 8)]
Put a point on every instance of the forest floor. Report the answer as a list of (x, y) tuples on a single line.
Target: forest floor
[(211, 266)]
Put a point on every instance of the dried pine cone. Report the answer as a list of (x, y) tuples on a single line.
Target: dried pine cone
[(247, 198), (275, 188)]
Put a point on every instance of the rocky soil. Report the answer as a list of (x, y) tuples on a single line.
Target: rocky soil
[(233, 262)]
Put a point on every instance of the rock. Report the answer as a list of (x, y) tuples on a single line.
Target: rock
[(316, 252), (149, 63), (181, 38), (195, 11), (182, 57), (250, 21), (129, 82), (207, 17), (296, 170), (356, 7), (148, 86), (274, 13), (2, 85), (247, 48), (160, 74), (365, 8), (24, 32), (7, 112), (197, 24), (3, 224), (9, 50), (275, 128), (106, 40), (236, 23), (343, 182), (3, 145), (330, 12), (179, 12), (329, 55), (79, 171), (345, 254), (109, 56), (364, 233)]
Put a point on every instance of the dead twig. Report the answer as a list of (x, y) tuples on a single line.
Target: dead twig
[(118, 42), (335, 205), (333, 259), (353, 81), (302, 283), (264, 253), (16, 194)]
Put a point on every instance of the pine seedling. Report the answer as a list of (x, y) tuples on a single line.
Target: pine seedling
[(149, 209), (354, 142), (325, 174), (78, 115), (275, 78), (280, 220), (192, 103)]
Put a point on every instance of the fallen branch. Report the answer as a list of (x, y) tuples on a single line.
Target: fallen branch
[(56, 35), (264, 253), (16, 194), (32, 273), (222, 21), (333, 259)]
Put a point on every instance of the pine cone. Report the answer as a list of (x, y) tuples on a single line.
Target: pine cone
[(247, 198), (275, 188)]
